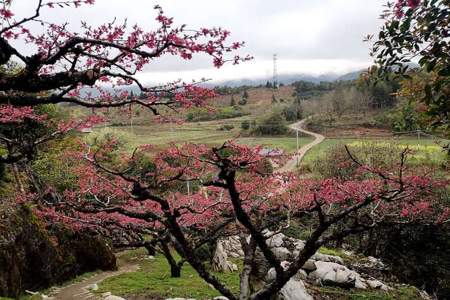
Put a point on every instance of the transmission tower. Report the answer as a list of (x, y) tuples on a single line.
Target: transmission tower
[(275, 71)]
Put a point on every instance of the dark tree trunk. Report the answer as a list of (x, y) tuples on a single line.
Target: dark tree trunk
[(175, 269)]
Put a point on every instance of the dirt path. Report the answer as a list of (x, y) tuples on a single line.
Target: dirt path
[(80, 290), (292, 163)]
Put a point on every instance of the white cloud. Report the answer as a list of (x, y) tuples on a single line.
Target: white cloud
[(309, 36)]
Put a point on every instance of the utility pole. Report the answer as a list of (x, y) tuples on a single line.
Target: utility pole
[(418, 139), (275, 72), (297, 148)]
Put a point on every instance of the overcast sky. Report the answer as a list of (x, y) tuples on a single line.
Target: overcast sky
[(310, 36)]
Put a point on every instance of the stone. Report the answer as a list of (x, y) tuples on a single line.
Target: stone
[(104, 295), (301, 275), (328, 258), (92, 287), (293, 290), (334, 274), (276, 240), (112, 297), (235, 267), (299, 245), (310, 265), (232, 246), (220, 298), (376, 284), (281, 253), (220, 261)]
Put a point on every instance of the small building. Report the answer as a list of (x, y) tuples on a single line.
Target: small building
[(86, 130), (271, 152)]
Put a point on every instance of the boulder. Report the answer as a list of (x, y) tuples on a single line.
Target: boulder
[(232, 246), (220, 261), (294, 289), (330, 273), (282, 253), (277, 240), (309, 266), (35, 256)]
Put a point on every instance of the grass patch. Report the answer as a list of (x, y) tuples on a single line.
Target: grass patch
[(161, 135), (153, 279), (423, 150), (334, 252)]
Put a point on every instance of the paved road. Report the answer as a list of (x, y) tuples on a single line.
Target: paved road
[(292, 163)]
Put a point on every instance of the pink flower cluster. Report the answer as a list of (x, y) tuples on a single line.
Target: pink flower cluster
[(402, 4)]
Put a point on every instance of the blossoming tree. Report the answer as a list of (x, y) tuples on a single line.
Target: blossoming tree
[(233, 192)]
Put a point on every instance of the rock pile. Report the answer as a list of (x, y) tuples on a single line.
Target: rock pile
[(320, 269)]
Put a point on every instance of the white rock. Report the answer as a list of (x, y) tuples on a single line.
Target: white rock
[(235, 267), (220, 261), (299, 244), (281, 253), (330, 273), (92, 287), (276, 240), (220, 298), (328, 258), (376, 284), (301, 275), (150, 257), (293, 290), (104, 295), (112, 297)]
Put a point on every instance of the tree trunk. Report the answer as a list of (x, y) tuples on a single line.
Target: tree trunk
[(175, 269)]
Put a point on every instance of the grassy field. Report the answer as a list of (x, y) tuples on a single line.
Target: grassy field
[(423, 150), (153, 280), (209, 133)]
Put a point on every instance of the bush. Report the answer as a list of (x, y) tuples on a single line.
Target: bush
[(203, 114), (245, 125), (226, 127), (243, 101), (335, 162), (274, 124)]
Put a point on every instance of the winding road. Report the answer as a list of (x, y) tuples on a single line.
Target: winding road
[(318, 138)]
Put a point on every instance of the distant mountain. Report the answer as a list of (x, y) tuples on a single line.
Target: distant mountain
[(283, 78), (290, 78), (351, 76)]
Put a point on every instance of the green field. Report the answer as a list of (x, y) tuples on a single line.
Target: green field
[(423, 150), (209, 133)]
